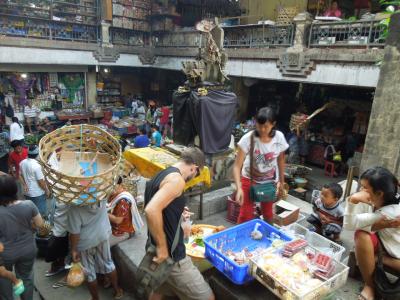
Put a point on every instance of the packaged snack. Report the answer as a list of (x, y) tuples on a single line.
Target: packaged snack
[(325, 275), (322, 262), (296, 245)]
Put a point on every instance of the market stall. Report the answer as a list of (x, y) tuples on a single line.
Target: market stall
[(291, 262), (47, 91), (149, 161)]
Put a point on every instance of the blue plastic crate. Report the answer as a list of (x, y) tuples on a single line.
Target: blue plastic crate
[(236, 239), (120, 112)]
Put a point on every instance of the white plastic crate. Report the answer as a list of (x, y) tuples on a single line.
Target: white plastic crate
[(315, 240), (283, 292)]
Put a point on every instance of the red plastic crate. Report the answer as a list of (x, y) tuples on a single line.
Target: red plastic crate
[(233, 209)]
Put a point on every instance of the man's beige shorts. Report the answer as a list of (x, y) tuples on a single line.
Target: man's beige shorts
[(185, 282)]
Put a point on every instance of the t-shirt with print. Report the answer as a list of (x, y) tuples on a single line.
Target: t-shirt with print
[(31, 170), (328, 215), (122, 210), (16, 231), (265, 157)]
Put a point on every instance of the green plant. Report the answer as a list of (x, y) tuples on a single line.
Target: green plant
[(390, 10)]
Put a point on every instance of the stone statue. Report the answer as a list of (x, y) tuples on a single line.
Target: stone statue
[(210, 66)]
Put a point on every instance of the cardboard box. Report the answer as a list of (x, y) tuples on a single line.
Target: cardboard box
[(285, 213)]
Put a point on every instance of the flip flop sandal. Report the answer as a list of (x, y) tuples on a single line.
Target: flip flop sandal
[(50, 273), (362, 297), (107, 285), (59, 284)]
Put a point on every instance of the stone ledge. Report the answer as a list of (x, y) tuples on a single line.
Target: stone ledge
[(213, 202)]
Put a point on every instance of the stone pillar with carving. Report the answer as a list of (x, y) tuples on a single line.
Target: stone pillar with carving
[(302, 21), (295, 62), (105, 34)]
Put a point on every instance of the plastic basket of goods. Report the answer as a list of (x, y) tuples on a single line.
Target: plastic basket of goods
[(298, 271), (230, 250), (80, 163), (195, 247), (315, 240)]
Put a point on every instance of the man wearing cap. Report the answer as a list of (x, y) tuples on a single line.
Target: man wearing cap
[(35, 187)]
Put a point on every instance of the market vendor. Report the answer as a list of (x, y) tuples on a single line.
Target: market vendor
[(45, 126), (374, 213), (31, 115), (265, 166), (142, 140), (123, 214)]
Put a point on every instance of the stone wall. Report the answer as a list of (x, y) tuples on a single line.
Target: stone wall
[(382, 146)]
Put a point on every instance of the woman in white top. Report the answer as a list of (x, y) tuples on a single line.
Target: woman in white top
[(16, 130), (268, 164), (375, 215)]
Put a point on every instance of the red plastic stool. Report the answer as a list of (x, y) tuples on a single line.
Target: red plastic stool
[(329, 168)]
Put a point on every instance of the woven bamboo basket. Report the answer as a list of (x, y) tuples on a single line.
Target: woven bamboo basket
[(74, 144), (285, 15), (129, 176)]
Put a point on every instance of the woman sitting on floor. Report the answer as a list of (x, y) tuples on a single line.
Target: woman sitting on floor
[(374, 213)]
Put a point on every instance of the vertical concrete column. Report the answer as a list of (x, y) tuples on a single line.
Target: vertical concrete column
[(382, 146), (242, 92), (105, 34), (91, 86), (302, 21)]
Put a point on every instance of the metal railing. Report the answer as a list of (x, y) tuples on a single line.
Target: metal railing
[(346, 34), (126, 37), (181, 39), (50, 30), (259, 36), (51, 19)]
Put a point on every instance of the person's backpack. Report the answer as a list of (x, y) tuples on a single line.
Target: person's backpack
[(9, 110)]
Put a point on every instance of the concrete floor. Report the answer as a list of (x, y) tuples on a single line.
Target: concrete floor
[(44, 284)]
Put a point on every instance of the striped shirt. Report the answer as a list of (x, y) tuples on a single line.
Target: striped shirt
[(31, 112)]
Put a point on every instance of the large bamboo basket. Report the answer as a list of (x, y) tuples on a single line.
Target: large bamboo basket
[(82, 142)]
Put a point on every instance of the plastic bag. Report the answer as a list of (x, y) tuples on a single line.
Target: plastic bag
[(75, 275)]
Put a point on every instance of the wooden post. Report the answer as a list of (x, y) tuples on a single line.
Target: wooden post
[(349, 182)]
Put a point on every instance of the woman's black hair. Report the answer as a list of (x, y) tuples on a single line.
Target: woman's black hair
[(15, 120), (8, 190), (266, 114), (381, 179)]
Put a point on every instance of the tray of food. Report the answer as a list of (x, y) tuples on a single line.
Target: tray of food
[(195, 246), (305, 274)]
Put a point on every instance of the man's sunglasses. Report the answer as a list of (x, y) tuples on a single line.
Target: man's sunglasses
[(197, 171)]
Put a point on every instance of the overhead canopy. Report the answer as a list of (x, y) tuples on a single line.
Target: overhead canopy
[(211, 117)]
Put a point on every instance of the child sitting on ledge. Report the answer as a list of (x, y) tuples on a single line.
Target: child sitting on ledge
[(328, 214)]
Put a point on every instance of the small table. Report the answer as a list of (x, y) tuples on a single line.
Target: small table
[(62, 116)]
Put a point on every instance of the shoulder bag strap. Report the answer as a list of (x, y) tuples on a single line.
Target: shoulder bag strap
[(380, 253), (176, 238), (251, 156)]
